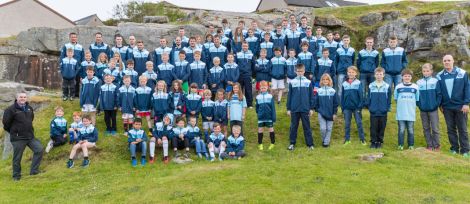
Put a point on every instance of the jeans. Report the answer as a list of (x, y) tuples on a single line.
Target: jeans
[(326, 127), (294, 125), (395, 79), (409, 126), (430, 121), (366, 79), (339, 84), (348, 114), (457, 120), (247, 88), (18, 149), (143, 148), (200, 145)]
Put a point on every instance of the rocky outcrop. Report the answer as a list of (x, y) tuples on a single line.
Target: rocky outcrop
[(329, 21), (375, 17), (156, 19)]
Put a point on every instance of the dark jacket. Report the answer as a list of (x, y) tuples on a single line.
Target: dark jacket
[(18, 122)]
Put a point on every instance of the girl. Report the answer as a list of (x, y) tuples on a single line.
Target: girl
[(238, 38), (351, 104), (161, 101), (266, 113), (119, 63), (208, 44), (236, 106), (253, 42), (177, 97), (101, 65), (326, 107)]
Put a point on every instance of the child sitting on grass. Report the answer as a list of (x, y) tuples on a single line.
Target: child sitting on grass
[(194, 136), (180, 138), (161, 135), (87, 138), (58, 131), (75, 127), (216, 143), (137, 140), (235, 145)]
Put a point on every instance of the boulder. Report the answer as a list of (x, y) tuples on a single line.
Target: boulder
[(395, 28), (329, 21), (371, 157), (7, 147), (390, 15), (156, 19), (371, 19)]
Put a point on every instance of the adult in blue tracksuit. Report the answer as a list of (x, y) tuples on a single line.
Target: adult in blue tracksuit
[(246, 64), (308, 60), (430, 99), (393, 61), (120, 48), (216, 79), (69, 68), (98, 47), (157, 53), (175, 51), (324, 65), (198, 73), (352, 102), (140, 57), (279, 39), (300, 105), (78, 50), (367, 61), (109, 103), (162, 104), (263, 71), (293, 39), (191, 49), (218, 50), (345, 57), (455, 91)]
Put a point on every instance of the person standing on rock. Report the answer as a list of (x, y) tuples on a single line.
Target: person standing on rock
[(455, 91), (18, 121), (78, 54)]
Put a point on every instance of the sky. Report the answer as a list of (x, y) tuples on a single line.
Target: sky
[(104, 8)]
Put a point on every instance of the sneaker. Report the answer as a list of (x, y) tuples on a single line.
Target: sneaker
[(325, 145), (186, 155), (429, 149), (291, 147), (363, 142), (86, 163), (466, 155), (260, 147), (166, 160), (64, 98), (278, 102), (71, 98), (378, 145), (49, 146), (346, 142), (199, 155), (453, 152), (134, 162), (211, 159), (221, 159), (437, 149), (373, 145), (271, 147), (151, 160), (143, 161), (250, 107), (400, 147), (310, 148), (70, 164), (113, 133), (411, 147), (177, 154)]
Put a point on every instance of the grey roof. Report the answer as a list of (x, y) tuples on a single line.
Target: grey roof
[(322, 3), (85, 20)]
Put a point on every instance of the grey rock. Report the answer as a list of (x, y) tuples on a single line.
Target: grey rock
[(7, 147), (452, 17), (371, 157), (156, 19), (391, 15), (395, 28), (181, 160), (329, 21), (371, 19)]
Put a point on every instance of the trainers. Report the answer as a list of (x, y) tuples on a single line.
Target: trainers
[(134, 162), (260, 147), (429, 148), (151, 160), (411, 147), (400, 147), (437, 149), (220, 158), (64, 98), (166, 160), (199, 155), (70, 164), (211, 159), (271, 146), (373, 145), (143, 161), (177, 154), (291, 147), (71, 98), (453, 152), (278, 102), (186, 155), (49, 146), (113, 133), (310, 148), (325, 145), (378, 145), (85, 163), (466, 155), (346, 142), (363, 142)]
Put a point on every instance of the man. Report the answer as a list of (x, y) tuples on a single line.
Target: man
[(455, 99), (18, 121), (78, 54)]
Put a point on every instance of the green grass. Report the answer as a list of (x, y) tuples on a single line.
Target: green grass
[(333, 175)]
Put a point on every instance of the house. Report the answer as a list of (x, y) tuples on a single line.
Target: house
[(242, 6), (92, 20), (322, 3), (20, 15)]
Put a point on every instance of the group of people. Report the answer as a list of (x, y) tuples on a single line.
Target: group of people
[(173, 86)]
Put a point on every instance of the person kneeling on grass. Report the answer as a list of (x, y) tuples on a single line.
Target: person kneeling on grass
[(235, 145), (87, 138), (137, 139)]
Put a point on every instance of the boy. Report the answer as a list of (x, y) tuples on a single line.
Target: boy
[(406, 95), (311, 42), (232, 72), (207, 114), (393, 61), (331, 45), (98, 47), (291, 63), (235, 145), (75, 127), (246, 63), (162, 135), (218, 50), (193, 102), (320, 42), (220, 110), (378, 102), (82, 71), (120, 48), (180, 138), (143, 104), (308, 60), (226, 29), (293, 38), (278, 74), (69, 68), (345, 56), (126, 95), (194, 136), (216, 143), (324, 65), (267, 45), (430, 98), (87, 138), (300, 105), (109, 103), (225, 41), (181, 71), (157, 54), (150, 74), (351, 104), (140, 57), (216, 76), (198, 72), (137, 139), (165, 70), (58, 132), (279, 39), (266, 112), (184, 39), (263, 69), (89, 94), (253, 42), (132, 73), (367, 61)]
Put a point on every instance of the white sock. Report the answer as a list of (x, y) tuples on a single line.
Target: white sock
[(211, 152), (165, 148), (152, 149)]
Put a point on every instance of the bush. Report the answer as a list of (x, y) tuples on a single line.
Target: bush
[(134, 11)]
